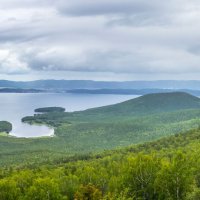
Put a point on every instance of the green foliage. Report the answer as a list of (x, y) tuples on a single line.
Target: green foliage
[(142, 171), (167, 169), (174, 180), (50, 109), (42, 189), (9, 190), (5, 126), (88, 192)]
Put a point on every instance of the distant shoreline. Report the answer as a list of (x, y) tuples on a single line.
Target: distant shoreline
[(19, 90), (99, 91)]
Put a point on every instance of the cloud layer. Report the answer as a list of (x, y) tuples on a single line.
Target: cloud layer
[(116, 36)]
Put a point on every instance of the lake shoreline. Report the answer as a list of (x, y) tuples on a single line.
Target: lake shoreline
[(15, 106), (51, 131)]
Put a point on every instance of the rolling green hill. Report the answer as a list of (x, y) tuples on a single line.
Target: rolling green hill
[(151, 103), (142, 106), (136, 121)]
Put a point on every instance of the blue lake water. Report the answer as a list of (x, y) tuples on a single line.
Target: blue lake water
[(14, 107)]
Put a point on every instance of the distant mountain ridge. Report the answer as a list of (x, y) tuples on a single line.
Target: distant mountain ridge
[(89, 84)]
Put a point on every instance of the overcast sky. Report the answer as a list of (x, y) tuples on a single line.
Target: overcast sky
[(99, 39)]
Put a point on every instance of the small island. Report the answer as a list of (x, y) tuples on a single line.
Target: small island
[(46, 115), (5, 127), (50, 109)]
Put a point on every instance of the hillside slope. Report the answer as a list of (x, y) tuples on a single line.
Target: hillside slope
[(164, 169), (150, 104), (136, 121)]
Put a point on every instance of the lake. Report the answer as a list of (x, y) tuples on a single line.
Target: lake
[(16, 106)]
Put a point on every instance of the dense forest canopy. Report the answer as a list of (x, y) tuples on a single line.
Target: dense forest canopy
[(161, 170)]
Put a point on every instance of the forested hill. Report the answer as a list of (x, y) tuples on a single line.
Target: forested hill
[(167, 169), (139, 120), (151, 103)]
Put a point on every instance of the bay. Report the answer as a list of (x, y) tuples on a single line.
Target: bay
[(15, 106)]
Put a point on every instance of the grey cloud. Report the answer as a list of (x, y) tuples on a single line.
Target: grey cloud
[(194, 49), (125, 12), (13, 4), (19, 36), (102, 7), (91, 61), (116, 36), (147, 61)]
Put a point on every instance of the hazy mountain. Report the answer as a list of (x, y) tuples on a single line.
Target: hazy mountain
[(87, 84)]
